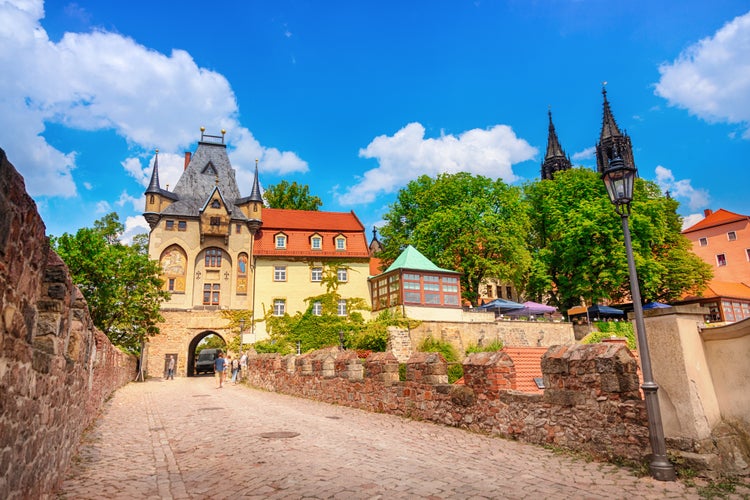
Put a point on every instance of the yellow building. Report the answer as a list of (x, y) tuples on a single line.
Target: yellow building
[(221, 251)]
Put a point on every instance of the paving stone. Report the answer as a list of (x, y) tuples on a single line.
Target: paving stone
[(184, 439)]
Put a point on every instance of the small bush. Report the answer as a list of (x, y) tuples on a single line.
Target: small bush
[(495, 345), (609, 329)]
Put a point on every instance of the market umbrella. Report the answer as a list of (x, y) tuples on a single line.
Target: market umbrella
[(655, 305), (500, 305), (532, 309), (599, 310)]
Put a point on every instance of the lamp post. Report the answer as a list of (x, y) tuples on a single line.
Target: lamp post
[(619, 179), (242, 327)]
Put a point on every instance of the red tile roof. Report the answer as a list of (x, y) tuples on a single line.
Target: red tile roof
[(300, 225), (528, 364), (723, 289), (717, 218)]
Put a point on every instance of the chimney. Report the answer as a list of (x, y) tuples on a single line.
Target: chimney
[(188, 154), (707, 212)]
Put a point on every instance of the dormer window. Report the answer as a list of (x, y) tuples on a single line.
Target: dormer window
[(280, 241), (316, 242), (340, 243), (215, 204)]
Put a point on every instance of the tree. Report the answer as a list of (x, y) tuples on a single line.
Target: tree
[(461, 222), (121, 285), (577, 245), (293, 196)]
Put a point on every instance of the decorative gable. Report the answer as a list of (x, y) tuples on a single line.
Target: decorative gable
[(210, 169)]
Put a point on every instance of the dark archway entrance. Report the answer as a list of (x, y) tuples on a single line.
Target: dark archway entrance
[(192, 346)]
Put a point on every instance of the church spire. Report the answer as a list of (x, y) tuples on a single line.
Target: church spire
[(555, 158), (612, 140), (255, 192), (153, 186)]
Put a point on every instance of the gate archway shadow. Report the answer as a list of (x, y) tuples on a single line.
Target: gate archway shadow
[(193, 345)]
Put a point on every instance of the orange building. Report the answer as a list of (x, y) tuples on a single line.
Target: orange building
[(722, 239)]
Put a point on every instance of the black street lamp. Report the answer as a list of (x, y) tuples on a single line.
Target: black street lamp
[(242, 327), (619, 179)]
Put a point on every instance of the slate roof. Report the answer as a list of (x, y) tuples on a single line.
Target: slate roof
[(718, 218), (209, 168), (412, 259)]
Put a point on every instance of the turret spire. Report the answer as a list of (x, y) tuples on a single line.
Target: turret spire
[(255, 193), (555, 158), (611, 140), (153, 186)]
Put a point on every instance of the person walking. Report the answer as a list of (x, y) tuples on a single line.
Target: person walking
[(170, 368), (235, 370), (220, 369), (243, 366)]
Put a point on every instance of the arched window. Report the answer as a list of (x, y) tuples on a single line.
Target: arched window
[(173, 263), (213, 257)]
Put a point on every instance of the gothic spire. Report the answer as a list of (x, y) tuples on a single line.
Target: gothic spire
[(255, 193), (611, 140), (153, 186), (555, 158)]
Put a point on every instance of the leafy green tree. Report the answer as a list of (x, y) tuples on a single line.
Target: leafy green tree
[(293, 196), (577, 245), (121, 285), (461, 222)]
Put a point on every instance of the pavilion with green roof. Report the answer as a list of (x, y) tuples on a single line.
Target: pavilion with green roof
[(413, 281)]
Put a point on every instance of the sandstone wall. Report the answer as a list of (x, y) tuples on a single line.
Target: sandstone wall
[(56, 369), (592, 403)]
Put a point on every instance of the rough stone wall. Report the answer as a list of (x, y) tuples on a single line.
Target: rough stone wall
[(56, 369), (510, 333), (590, 406)]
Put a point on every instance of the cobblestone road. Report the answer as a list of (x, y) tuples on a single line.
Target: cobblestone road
[(187, 439)]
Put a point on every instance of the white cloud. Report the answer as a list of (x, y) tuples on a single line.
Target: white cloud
[(407, 154), (136, 202), (690, 220), (102, 80), (586, 154), (134, 225), (103, 207), (711, 78), (681, 189)]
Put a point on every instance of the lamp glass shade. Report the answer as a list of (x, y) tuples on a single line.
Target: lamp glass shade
[(619, 182)]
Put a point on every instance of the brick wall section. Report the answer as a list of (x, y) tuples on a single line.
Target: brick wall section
[(56, 369), (591, 408)]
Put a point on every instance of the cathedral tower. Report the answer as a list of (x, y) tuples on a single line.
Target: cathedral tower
[(612, 142), (555, 159)]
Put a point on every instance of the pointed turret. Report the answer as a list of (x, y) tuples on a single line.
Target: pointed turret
[(555, 159), (611, 140), (153, 185), (255, 192), (157, 199)]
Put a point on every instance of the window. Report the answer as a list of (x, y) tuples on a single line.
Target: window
[(213, 257), (317, 309), (170, 225), (171, 284), (215, 221), (731, 236), (211, 294), (152, 199), (342, 275), (279, 307), (508, 291), (747, 253), (279, 273), (239, 228), (316, 274), (280, 241), (182, 225), (721, 260), (340, 243), (341, 307), (703, 242), (316, 243)]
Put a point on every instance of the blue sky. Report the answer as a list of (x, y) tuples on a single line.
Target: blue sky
[(356, 99)]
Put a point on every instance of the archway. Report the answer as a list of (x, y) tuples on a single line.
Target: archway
[(193, 345)]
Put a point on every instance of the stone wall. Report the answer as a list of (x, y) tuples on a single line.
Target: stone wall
[(592, 403), (56, 369), (511, 333)]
